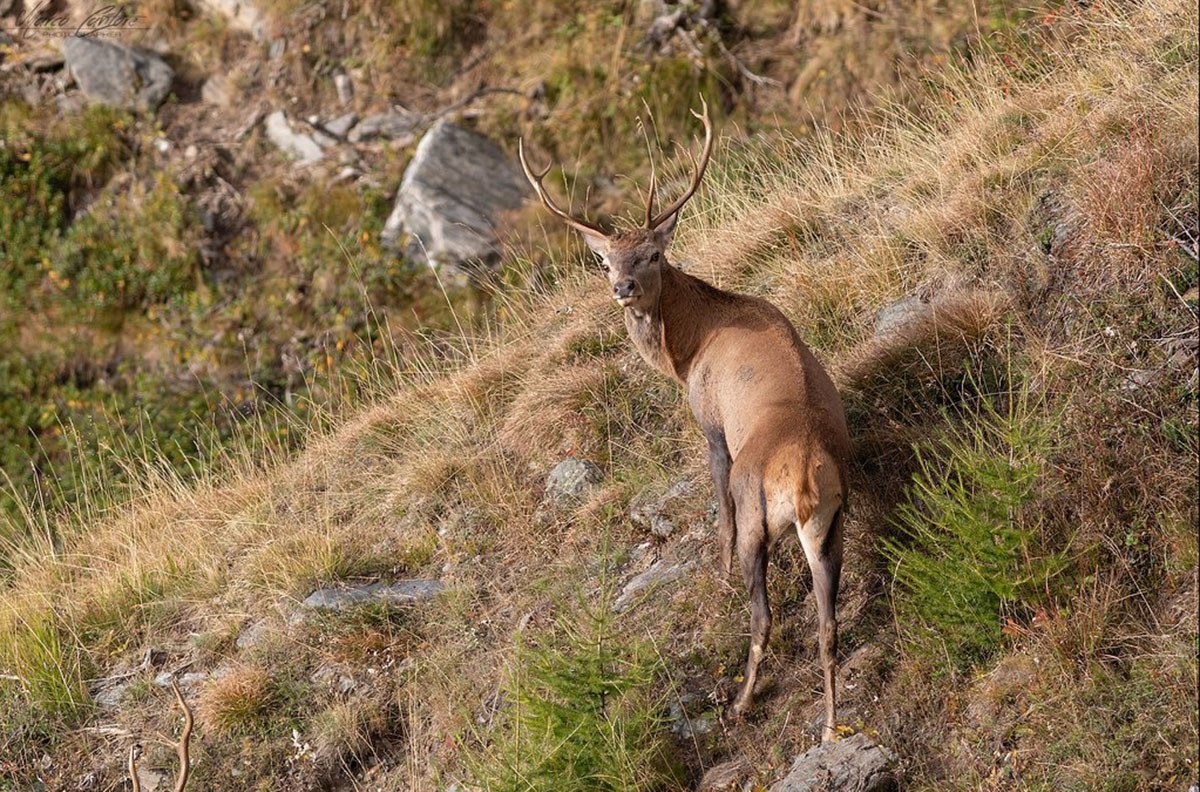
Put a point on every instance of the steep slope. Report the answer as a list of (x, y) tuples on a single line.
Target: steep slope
[(1039, 220)]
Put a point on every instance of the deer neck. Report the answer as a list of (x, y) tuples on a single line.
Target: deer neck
[(672, 333)]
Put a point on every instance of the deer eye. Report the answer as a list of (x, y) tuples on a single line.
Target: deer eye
[(654, 257)]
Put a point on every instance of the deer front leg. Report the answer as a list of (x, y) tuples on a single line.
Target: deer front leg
[(719, 463)]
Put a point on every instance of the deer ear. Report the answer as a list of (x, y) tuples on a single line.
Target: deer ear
[(665, 230), (598, 244)]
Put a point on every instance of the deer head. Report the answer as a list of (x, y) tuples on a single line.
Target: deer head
[(634, 260)]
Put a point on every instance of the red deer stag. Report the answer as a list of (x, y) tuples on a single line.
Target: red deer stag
[(777, 439), (181, 748)]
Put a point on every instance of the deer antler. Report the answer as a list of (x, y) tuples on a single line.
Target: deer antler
[(697, 174), (181, 747), (535, 179)]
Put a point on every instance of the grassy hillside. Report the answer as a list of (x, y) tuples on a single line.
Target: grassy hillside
[(168, 277), (1019, 608)]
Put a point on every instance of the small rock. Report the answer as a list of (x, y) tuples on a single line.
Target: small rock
[(217, 90), (688, 726), (253, 635), (299, 145), (341, 125), (242, 16), (726, 776), (151, 780), (853, 764), (570, 479), (900, 314), (113, 74), (344, 86), (398, 124), (1138, 380), (399, 593), (336, 677), (109, 696), (660, 515), (190, 679), (660, 573)]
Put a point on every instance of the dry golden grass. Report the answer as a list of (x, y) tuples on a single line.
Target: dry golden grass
[(238, 701), (440, 475)]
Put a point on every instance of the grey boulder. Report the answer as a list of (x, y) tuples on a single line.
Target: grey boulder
[(451, 198), (854, 764), (113, 74)]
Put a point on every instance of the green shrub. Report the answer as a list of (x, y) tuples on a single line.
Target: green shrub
[(139, 250), (968, 553), (579, 714), (40, 175)]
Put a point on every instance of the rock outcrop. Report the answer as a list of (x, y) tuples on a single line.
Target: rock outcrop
[(569, 480), (397, 124), (853, 764), (451, 197), (113, 74)]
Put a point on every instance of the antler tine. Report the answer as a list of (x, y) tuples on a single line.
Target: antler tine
[(650, 196), (184, 737), (535, 180), (133, 776), (181, 748), (697, 169)]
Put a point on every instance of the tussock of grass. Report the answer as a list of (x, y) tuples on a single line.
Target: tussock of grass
[(238, 701)]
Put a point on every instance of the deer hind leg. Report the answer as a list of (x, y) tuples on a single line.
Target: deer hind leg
[(821, 537), (752, 552)]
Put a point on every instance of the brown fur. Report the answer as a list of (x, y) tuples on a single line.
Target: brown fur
[(778, 442), (777, 439)]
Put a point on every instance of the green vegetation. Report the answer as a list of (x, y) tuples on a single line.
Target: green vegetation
[(578, 711), (970, 552)]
